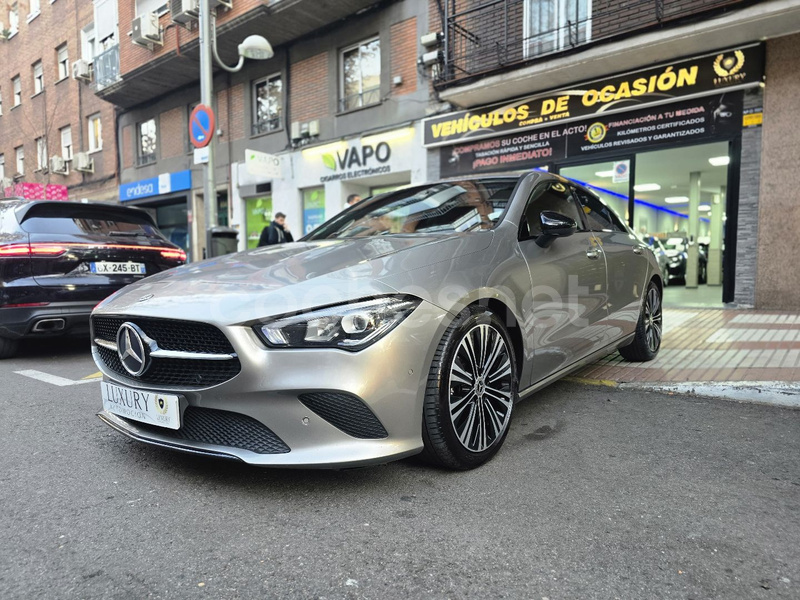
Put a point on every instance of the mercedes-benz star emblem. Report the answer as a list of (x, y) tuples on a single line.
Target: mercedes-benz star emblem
[(133, 352)]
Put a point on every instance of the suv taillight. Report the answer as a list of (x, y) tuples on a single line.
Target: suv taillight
[(20, 250), (174, 255)]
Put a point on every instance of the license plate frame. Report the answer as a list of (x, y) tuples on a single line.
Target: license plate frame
[(117, 268), (144, 406)]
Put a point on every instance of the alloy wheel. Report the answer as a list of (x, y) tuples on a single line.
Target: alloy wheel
[(653, 319), (480, 388)]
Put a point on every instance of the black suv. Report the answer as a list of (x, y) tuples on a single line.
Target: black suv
[(59, 259)]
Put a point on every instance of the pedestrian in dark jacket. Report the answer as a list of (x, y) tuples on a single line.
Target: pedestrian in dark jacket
[(276, 233)]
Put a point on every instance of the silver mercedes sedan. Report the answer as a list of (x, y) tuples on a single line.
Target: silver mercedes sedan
[(411, 323)]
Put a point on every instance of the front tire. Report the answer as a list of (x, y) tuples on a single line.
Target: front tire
[(647, 341), (8, 348), (472, 387)]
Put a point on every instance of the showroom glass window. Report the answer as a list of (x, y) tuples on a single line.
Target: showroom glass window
[(267, 104), (361, 75), (146, 142), (554, 25)]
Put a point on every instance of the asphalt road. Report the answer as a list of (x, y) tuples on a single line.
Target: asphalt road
[(598, 493)]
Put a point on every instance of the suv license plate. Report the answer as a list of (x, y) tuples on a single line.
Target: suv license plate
[(117, 268), (162, 410)]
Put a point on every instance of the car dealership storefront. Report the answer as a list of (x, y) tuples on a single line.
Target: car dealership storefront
[(662, 145)]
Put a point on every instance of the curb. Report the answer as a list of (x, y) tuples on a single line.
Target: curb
[(772, 393)]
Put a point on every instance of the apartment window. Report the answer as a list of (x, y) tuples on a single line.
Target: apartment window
[(361, 75), (1, 104), (2, 166), (62, 57), (105, 23), (20, 152), (156, 6), (146, 142), (66, 142), (38, 77), (34, 8), (267, 104), (95, 133), (41, 154), (16, 84), (553, 25), (13, 19), (88, 46)]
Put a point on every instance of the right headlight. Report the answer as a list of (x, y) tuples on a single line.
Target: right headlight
[(349, 326)]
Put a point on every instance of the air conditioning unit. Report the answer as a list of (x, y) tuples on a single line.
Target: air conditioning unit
[(83, 162), (58, 165), (82, 70), (146, 30), (184, 11), (225, 3)]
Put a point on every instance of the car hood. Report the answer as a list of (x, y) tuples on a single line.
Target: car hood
[(274, 280)]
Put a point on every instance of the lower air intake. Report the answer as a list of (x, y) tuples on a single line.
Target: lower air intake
[(222, 428), (347, 413)]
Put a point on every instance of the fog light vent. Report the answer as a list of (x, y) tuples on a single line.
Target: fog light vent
[(347, 413)]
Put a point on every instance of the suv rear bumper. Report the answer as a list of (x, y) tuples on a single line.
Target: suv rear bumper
[(62, 318)]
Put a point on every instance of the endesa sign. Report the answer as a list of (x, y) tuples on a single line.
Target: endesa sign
[(728, 70), (155, 186)]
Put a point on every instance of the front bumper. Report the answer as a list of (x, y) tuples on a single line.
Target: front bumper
[(389, 378)]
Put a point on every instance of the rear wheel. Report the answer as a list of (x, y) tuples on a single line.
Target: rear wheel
[(8, 348), (472, 385), (647, 341)]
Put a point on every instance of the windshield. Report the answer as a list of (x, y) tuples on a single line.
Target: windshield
[(457, 206)]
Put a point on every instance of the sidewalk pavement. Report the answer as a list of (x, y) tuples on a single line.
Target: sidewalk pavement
[(714, 345)]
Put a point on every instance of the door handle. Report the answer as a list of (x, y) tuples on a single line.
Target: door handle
[(637, 250), (593, 253)]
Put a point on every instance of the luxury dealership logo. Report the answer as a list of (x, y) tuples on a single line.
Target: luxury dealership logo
[(596, 133), (133, 353), (728, 67), (162, 405)]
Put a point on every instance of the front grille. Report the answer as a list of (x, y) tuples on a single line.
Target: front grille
[(222, 428), (347, 413), (185, 336)]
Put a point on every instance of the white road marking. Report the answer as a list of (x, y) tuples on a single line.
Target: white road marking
[(54, 379)]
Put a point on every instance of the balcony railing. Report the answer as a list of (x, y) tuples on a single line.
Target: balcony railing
[(106, 67), (482, 36)]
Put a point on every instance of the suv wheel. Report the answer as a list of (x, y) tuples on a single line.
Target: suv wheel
[(8, 348)]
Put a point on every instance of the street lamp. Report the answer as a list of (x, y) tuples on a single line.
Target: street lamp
[(254, 47)]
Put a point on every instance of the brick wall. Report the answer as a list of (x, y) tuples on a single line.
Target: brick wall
[(404, 56), (128, 147), (172, 132), (309, 94), (64, 102), (239, 119)]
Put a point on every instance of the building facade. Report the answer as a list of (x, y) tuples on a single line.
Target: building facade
[(340, 104), (57, 138), (677, 113)]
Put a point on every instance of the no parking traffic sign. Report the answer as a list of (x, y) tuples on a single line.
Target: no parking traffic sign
[(201, 126)]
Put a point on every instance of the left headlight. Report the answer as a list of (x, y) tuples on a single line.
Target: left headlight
[(349, 326)]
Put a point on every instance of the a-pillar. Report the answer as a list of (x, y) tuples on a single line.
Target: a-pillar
[(692, 251)]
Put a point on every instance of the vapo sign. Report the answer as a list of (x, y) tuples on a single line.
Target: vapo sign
[(357, 161)]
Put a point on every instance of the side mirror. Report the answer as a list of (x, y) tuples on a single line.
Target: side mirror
[(554, 225)]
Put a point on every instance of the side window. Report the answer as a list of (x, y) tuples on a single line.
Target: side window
[(553, 196), (599, 216)]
